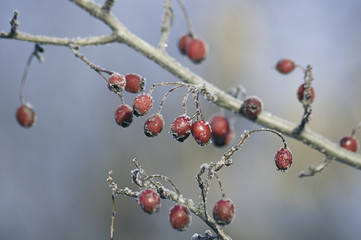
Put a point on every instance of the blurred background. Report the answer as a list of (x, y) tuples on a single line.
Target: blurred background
[(53, 176)]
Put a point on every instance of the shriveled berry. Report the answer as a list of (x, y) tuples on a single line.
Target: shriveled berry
[(285, 66), (301, 92), (252, 107), (283, 159), (149, 201), (123, 115), (181, 128), (116, 83), (224, 211), (25, 115), (201, 131), (180, 217), (350, 143), (183, 43), (142, 104), (154, 125), (134, 83), (197, 50)]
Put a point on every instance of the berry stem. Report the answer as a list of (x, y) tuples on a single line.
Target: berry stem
[(355, 129), (185, 101), (165, 97), (186, 16), (220, 184), (167, 23), (166, 179), (314, 170)]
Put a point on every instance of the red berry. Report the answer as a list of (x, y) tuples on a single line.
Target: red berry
[(183, 43), (283, 159), (225, 140), (154, 125), (197, 50), (116, 83), (25, 115), (180, 217), (252, 107), (350, 143), (142, 104), (123, 115), (134, 83), (285, 66), (223, 211), (149, 201), (181, 127), (219, 125), (301, 91), (201, 132)]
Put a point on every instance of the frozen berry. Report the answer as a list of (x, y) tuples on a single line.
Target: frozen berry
[(149, 201), (25, 115), (201, 131), (197, 50), (223, 211), (283, 159), (301, 92), (123, 115), (134, 83), (181, 127), (154, 125), (225, 140), (142, 104), (180, 217), (350, 143), (285, 66), (183, 43), (252, 107), (116, 82)]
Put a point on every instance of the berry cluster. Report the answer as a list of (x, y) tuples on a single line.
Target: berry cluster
[(195, 48)]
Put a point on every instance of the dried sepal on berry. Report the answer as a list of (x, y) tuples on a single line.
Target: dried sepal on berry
[(116, 82), (134, 83), (252, 107), (123, 115), (142, 104)]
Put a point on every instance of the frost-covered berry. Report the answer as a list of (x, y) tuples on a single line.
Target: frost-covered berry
[(116, 83), (180, 217), (350, 143), (201, 131), (283, 159), (134, 83), (153, 125), (285, 66), (181, 128), (25, 115), (123, 115), (142, 104), (224, 211), (301, 92), (197, 50), (183, 43), (252, 107), (149, 201)]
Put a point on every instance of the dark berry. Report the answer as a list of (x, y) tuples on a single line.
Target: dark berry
[(350, 143), (225, 140), (180, 217), (142, 104), (181, 127), (149, 201), (301, 92), (285, 66), (25, 115), (201, 132), (123, 115), (116, 82), (252, 107), (134, 83), (183, 43), (154, 125), (219, 125), (223, 211), (283, 159), (197, 50)]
